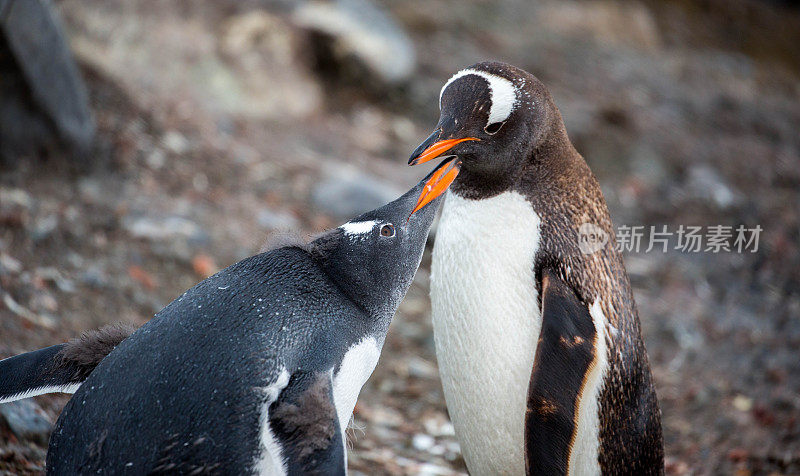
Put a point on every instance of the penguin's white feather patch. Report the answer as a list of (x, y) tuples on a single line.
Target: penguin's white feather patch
[(357, 365), (583, 457), (486, 324), (270, 461), (503, 91), (66, 388), (357, 228)]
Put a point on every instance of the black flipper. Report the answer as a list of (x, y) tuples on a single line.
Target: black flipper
[(563, 356), (34, 373), (58, 368), (304, 420)]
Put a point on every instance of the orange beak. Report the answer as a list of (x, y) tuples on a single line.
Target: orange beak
[(437, 149), (438, 183), (441, 178)]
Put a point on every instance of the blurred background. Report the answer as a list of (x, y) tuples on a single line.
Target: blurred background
[(147, 144)]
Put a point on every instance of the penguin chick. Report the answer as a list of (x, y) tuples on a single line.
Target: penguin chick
[(254, 370)]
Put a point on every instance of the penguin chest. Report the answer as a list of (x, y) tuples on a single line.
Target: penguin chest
[(357, 365), (486, 324)]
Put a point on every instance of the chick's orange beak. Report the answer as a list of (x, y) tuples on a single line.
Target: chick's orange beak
[(438, 183), (445, 173)]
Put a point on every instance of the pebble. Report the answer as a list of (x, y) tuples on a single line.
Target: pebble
[(95, 277), (706, 183), (50, 274), (175, 142), (422, 442), (9, 264), (276, 220), (439, 426), (362, 31), (16, 196), (163, 227), (742, 403), (26, 420), (349, 193), (421, 368), (43, 227)]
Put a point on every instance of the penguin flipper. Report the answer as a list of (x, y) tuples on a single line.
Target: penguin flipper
[(58, 368), (563, 358), (305, 422)]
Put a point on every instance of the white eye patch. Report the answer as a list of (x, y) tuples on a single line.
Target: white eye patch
[(357, 228), (503, 94)]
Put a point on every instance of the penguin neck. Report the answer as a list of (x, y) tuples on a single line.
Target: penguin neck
[(554, 157), (349, 279)]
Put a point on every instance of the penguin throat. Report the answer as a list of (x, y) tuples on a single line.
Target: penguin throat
[(481, 184)]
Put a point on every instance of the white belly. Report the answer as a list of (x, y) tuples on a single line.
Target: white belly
[(486, 324)]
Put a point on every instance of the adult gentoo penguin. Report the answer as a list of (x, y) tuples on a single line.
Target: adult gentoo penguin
[(539, 344), (255, 369)]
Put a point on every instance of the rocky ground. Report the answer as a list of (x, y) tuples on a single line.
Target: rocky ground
[(220, 123)]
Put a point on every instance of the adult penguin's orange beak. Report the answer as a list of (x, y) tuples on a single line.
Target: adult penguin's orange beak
[(446, 171)]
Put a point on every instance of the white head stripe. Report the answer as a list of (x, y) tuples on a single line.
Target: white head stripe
[(504, 94), (358, 228)]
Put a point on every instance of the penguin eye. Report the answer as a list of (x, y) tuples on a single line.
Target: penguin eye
[(493, 127), (387, 230)]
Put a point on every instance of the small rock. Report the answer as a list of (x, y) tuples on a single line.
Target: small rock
[(439, 426), (648, 166), (371, 129), (362, 31), (421, 368), (261, 47), (26, 420), (37, 319), (422, 442), (43, 227), (204, 265), (52, 275), (350, 193), (44, 301), (453, 450), (175, 142), (705, 183), (17, 197), (675, 466), (94, 277), (413, 305), (742, 403), (437, 450), (9, 264), (738, 454), (162, 227), (430, 469), (91, 190), (137, 273), (156, 159), (276, 220), (605, 22)]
